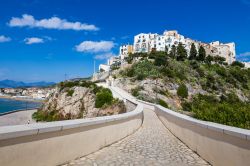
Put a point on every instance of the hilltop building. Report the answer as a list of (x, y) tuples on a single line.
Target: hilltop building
[(147, 42), (125, 50), (155, 42)]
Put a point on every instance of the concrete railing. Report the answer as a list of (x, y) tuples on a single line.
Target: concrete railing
[(55, 143), (218, 144)]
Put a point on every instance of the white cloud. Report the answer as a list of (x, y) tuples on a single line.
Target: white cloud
[(4, 39), (33, 40), (244, 57), (50, 23), (95, 46), (104, 56), (245, 54)]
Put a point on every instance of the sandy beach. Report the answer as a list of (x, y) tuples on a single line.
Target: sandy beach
[(17, 118)]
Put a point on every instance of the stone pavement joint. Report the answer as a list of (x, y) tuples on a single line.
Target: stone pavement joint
[(153, 144)]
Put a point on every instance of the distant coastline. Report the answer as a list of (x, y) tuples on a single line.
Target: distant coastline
[(21, 98)]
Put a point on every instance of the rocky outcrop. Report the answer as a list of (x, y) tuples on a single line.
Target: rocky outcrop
[(75, 102)]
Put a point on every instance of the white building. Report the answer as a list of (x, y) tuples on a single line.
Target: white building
[(125, 50), (148, 42), (114, 60), (103, 67), (142, 42), (224, 50), (247, 64)]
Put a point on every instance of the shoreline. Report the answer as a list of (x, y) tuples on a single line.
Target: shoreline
[(17, 118), (22, 99), (19, 110)]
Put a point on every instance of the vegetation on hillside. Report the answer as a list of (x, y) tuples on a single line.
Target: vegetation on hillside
[(103, 99), (226, 88)]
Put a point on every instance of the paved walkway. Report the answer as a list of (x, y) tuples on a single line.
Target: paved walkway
[(151, 145)]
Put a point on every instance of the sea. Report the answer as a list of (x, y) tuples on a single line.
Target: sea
[(7, 105)]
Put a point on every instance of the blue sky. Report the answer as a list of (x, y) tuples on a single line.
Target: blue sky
[(42, 40)]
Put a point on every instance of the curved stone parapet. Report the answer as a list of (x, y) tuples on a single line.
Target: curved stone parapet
[(54, 143), (218, 144)]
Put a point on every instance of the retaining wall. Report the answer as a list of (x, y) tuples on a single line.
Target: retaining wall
[(54, 143), (218, 144)]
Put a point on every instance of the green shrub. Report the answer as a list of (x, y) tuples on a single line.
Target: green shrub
[(70, 92), (194, 64), (135, 91), (182, 91), (237, 63), (228, 110), (162, 103), (103, 97), (186, 106), (144, 69)]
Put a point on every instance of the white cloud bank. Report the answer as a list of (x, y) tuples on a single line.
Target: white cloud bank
[(95, 46), (50, 23), (4, 39), (33, 40)]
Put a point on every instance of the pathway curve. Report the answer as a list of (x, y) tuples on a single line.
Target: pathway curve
[(151, 145)]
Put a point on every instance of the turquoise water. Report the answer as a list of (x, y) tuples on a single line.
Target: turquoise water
[(7, 105)]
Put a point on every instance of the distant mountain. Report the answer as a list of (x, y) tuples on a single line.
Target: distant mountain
[(15, 84)]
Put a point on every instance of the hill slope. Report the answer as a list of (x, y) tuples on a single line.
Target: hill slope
[(207, 89)]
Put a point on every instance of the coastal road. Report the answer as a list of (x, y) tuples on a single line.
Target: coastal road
[(152, 144)]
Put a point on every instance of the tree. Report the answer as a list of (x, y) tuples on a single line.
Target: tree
[(182, 91), (181, 52), (103, 97), (237, 63), (160, 60), (193, 52), (173, 51), (209, 59), (201, 54), (166, 49), (219, 59)]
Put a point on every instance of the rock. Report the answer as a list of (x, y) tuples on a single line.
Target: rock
[(80, 104)]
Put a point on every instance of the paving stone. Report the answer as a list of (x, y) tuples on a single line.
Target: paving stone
[(153, 144)]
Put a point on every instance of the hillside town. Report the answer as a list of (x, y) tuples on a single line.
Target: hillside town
[(33, 93), (148, 42)]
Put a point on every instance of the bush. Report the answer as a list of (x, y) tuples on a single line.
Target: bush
[(229, 110), (237, 63), (135, 91), (182, 91), (70, 92), (144, 69), (103, 97), (194, 64), (162, 103), (186, 106)]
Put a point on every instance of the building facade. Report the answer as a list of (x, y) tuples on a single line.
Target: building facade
[(125, 50), (148, 42)]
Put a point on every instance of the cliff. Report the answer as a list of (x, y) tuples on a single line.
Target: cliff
[(79, 99)]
